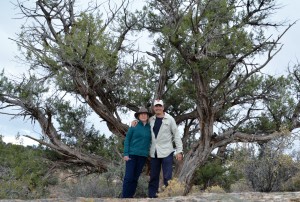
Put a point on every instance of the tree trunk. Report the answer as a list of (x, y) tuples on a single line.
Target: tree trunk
[(195, 158), (198, 155)]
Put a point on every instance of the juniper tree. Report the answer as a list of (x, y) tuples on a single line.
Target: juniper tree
[(202, 63)]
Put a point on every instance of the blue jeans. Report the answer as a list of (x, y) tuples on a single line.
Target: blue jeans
[(155, 165), (134, 168)]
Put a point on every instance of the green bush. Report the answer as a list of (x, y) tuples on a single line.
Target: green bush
[(213, 173), (23, 172)]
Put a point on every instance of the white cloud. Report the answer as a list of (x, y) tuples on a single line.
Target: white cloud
[(19, 141), (10, 128)]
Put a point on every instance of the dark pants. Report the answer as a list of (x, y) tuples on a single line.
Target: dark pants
[(134, 167), (155, 166)]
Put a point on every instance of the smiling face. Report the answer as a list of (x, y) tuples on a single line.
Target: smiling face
[(143, 117), (159, 110)]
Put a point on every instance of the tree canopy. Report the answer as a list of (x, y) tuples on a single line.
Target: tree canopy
[(202, 63)]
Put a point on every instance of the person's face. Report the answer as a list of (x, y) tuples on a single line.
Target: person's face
[(159, 109), (143, 117)]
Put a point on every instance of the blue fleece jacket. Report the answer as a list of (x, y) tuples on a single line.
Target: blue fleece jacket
[(138, 139)]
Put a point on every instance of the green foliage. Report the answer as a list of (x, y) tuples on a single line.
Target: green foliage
[(75, 131), (214, 173), (1, 139), (30, 89), (278, 101), (103, 146), (23, 172), (88, 46)]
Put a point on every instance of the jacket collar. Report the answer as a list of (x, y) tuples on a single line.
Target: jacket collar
[(165, 116), (141, 123)]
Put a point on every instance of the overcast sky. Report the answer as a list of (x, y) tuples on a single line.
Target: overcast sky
[(289, 55)]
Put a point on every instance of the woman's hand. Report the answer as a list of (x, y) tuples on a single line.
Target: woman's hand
[(126, 158), (134, 123)]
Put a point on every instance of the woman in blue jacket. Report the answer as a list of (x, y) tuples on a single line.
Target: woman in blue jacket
[(136, 151)]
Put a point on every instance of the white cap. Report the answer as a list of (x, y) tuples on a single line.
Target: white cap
[(158, 102)]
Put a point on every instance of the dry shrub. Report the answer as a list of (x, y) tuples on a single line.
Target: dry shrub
[(174, 188), (195, 189), (292, 184), (95, 186), (241, 186), (215, 189)]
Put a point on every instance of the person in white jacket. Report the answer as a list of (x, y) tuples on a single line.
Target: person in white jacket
[(164, 132)]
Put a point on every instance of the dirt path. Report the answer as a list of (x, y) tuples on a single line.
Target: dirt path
[(201, 197)]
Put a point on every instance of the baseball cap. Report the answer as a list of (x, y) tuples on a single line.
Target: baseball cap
[(158, 102)]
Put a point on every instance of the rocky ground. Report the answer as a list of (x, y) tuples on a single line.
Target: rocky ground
[(203, 197)]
